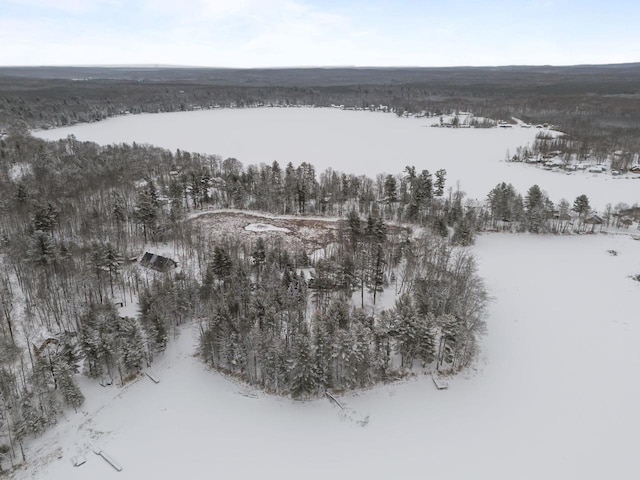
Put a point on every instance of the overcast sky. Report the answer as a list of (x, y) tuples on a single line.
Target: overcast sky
[(270, 33)]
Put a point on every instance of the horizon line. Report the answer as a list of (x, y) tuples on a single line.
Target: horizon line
[(309, 67)]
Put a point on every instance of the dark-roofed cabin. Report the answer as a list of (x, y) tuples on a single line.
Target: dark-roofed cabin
[(633, 212), (594, 220), (157, 262)]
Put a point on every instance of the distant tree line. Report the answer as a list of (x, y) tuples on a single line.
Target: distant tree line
[(597, 106)]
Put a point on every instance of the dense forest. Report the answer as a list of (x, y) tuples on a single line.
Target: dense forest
[(76, 219)]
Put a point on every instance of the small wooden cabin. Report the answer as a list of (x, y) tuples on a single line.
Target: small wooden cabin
[(157, 262)]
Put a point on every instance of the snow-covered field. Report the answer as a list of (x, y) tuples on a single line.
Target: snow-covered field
[(357, 142), (264, 227), (554, 395)]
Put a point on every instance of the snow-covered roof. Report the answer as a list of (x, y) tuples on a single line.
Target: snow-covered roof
[(157, 262)]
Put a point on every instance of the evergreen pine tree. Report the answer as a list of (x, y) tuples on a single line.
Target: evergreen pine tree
[(221, 264), (449, 339), (581, 205), (390, 189), (425, 338), (321, 351), (146, 210), (302, 373), (404, 329), (152, 318), (534, 203), (132, 352), (440, 182), (71, 393), (42, 248), (382, 351), (33, 421)]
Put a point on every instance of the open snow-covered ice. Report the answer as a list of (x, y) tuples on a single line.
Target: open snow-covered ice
[(554, 394)]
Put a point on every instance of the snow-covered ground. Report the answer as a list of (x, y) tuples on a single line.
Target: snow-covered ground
[(357, 142), (265, 227), (554, 395), (19, 170)]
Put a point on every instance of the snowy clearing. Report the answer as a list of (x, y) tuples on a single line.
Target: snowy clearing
[(298, 233), (554, 394), (19, 170), (265, 227)]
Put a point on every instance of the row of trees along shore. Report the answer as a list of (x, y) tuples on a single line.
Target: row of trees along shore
[(508, 210), (568, 151), (73, 214)]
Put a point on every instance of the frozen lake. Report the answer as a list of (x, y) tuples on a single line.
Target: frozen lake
[(554, 395), (355, 142)]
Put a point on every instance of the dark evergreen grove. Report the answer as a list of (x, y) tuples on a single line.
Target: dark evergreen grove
[(270, 327)]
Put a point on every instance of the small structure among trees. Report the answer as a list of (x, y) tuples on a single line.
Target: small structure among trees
[(594, 220), (157, 262)]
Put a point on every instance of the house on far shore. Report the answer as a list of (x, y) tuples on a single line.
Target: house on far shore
[(157, 262), (594, 220), (564, 216), (633, 213)]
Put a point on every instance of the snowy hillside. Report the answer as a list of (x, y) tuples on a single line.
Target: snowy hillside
[(554, 395)]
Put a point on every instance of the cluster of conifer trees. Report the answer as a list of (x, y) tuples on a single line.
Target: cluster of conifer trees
[(266, 324), (508, 210)]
